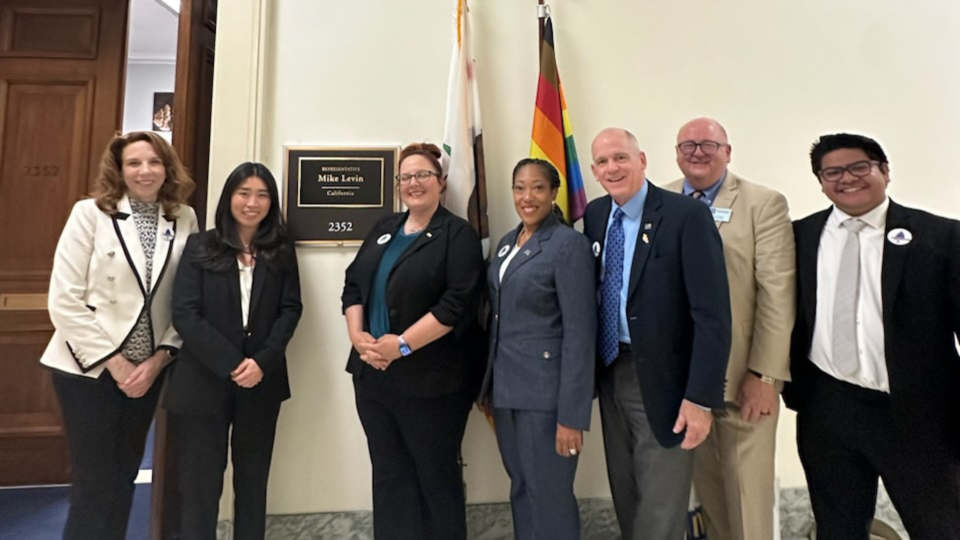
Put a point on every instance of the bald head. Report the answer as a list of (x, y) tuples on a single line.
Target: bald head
[(617, 133), (618, 163), (703, 124), (703, 152)]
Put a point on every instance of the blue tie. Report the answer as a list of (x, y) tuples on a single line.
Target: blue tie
[(610, 291)]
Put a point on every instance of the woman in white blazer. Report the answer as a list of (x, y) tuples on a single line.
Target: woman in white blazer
[(109, 302)]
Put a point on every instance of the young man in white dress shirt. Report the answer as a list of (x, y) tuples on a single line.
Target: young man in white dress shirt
[(876, 374)]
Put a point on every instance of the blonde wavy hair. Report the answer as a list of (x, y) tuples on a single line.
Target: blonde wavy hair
[(110, 187)]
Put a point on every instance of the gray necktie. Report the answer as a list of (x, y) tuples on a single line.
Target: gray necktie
[(845, 357)]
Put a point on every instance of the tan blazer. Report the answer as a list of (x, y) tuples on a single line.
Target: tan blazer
[(97, 289), (759, 251)]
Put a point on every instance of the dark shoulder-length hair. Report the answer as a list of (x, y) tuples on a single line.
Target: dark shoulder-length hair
[(110, 187), (271, 245)]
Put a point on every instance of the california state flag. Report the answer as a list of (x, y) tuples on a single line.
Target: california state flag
[(462, 137)]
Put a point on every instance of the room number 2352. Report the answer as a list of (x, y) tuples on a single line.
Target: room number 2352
[(340, 226)]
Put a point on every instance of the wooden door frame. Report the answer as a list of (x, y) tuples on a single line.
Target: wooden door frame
[(191, 140)]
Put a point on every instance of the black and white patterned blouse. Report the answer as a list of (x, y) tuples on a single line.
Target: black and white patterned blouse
[(139, 346)]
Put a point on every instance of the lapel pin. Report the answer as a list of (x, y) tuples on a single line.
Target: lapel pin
[(647, 226), (596, 249), (526, 252), (429, 235), (168, 235), (383, 239), (503, 251), (645, 238), (111, 253), (899, 237)]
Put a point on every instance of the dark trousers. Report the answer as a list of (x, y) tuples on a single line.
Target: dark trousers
[(650, 484), (415, 451), (541, 481), (848, 439), (106, 434), (203, 459)]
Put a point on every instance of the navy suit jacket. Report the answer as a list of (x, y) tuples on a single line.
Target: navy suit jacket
[(920, 291), (543, 325), (678, 305)]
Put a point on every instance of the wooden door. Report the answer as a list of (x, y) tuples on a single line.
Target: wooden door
[(193, 106), (61, 96), (193, 93)]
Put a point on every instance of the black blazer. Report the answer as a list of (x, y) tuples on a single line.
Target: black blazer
[(920, 291), (208, 316), (440, 273), (678, 305)]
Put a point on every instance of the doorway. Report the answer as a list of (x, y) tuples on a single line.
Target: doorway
[(73, 73)]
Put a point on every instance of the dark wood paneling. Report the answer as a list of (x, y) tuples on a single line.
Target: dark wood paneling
[(53, 33), (32, 444), (210, 14), (61, 98), (40, 161)]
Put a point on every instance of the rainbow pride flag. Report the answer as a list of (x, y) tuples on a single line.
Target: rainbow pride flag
[(552, 137)]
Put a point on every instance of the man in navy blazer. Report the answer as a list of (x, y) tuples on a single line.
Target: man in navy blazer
[(664, 336), (874, 365)]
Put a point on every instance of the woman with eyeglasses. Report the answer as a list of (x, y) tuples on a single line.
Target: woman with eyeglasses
[(410, 299), (543, 333), (109, 301), (236, 304)]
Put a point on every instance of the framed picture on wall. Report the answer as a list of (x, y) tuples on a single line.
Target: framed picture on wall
[(334, 195), (163, 111)]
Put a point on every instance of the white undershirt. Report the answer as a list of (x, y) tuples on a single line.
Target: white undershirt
[(246, 286), (506, 262), (871, 355)]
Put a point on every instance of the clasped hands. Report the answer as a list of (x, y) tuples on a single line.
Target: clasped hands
[(379, 353), (135, 380), (248, 374)]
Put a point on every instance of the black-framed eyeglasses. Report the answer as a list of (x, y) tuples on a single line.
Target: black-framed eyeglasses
[(421, 176), (707, 147), (857, 168)]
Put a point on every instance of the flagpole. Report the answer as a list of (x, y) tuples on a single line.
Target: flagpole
[(542, 11)]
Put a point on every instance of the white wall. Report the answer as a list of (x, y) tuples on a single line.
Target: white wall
[(143, 79), (360, 73)]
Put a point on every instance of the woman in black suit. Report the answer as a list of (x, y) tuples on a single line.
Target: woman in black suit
[(236, 303), (410, 299)]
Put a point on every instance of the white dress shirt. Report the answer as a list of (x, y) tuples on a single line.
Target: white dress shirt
[(246, 286), (871, 356)]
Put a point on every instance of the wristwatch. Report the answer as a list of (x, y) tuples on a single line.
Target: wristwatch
[(765, 378), (404, 348)]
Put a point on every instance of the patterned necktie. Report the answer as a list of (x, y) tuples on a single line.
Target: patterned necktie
[(845, 346), (610, 291), (700, 196)]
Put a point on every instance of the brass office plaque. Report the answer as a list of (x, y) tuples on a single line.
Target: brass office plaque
[(334, 195)]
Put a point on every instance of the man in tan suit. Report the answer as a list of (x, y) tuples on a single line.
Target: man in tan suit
[(734, 467)]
